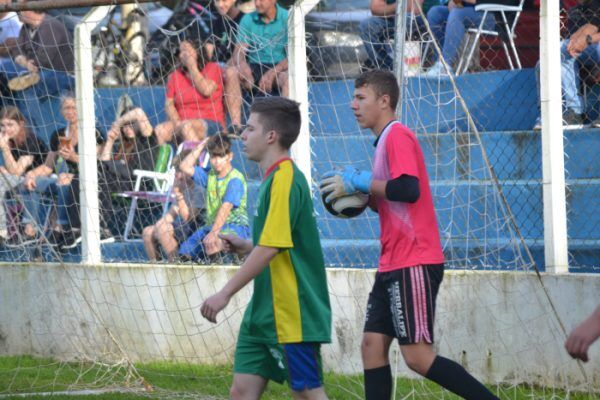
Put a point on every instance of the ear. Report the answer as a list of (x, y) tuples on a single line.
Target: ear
[(384, 101), (272, 137)]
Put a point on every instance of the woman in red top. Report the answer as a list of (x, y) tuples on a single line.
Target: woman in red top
[(194, 103)]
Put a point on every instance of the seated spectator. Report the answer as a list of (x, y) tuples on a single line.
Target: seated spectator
[(582, 47), (194, 96), (182, 219), (22, 152), (58, 176), (377, 31), (226, 195), (259, 58), (42, 61), (449, 25)]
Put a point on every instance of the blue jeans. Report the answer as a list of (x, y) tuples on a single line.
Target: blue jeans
[(569, 74), (37, 205), (52, 84), (376, 33), (194, 248), (449, 27)]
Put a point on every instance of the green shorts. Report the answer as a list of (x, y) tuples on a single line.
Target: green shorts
[(297, 363)]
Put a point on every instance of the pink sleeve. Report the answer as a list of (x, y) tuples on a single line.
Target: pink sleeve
[(171, 86), (212, 71), (401, 148)]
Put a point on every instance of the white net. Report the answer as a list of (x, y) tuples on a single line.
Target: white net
[(130, 327)]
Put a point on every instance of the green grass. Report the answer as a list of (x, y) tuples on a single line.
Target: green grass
[(29, 375)]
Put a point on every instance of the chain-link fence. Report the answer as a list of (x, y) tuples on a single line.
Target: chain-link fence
[(489, 50)]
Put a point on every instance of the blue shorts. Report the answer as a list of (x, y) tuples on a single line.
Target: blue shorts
[(212, 127), (193, 247), (297, 363)]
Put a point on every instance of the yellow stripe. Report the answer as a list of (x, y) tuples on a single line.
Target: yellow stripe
[(286, 303), (277, 231)]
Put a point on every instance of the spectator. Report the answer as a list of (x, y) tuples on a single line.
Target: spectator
[(22, 152), (377, 31), (449, 24), (224, 30), (183, 218), (583, 47), (42, 61), (10, 26), (259, 58), (194, 96), (59, 176), (225, 200)]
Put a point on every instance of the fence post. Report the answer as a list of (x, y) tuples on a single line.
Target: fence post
[(553, 168), (298, 81), (88, 171)]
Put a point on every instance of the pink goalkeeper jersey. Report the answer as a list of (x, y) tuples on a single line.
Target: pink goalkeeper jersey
[(409, 232)]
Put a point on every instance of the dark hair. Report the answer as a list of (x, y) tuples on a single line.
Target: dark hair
[(281, 115), (135, 125), (382, 82), (12, 112), (201, 54), (218, 146)]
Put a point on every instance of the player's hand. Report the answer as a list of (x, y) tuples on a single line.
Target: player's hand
[(213, 305), (212, 244), (235, 244), (581, 338), (347, 181)]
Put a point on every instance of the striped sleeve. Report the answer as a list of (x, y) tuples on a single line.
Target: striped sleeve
[(277, 231)]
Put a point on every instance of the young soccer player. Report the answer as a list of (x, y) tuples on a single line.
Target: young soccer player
[(411, 266), (289, 315)]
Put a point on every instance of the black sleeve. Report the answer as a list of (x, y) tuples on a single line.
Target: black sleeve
[(99, 137), (405, 188), (54, 141)]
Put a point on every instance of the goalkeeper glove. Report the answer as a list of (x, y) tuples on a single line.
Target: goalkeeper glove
[(342, 183)]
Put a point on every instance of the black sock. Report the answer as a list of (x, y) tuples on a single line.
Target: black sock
[(456, 379), (378, 383)]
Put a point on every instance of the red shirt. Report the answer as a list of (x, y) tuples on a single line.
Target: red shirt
[(409, 232), (192, 105)]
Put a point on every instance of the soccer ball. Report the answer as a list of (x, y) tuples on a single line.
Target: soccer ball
[(347, 206)]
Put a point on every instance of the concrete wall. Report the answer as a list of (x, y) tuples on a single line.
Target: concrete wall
[(498, 324)]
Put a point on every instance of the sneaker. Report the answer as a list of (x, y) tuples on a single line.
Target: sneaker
[(538, 124), (23, 82), (71, 238), (596, 123), (572, 120)]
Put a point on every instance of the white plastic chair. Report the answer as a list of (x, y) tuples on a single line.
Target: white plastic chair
[(508, 29)]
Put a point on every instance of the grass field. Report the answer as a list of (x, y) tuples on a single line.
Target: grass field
[(31, 375)]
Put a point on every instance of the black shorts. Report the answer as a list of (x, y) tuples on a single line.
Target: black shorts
[(402, 303), (258, 70)]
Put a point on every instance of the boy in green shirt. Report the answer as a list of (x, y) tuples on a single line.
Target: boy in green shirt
[(225, 203), (289, 315)]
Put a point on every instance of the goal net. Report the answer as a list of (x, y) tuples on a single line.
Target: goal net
[(128, 324)]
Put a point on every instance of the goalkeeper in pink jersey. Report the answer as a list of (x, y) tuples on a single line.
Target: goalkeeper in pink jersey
[(411, 266)]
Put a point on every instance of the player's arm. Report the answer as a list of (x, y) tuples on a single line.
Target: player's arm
[(258, 259), (336, 184), (582, 337)]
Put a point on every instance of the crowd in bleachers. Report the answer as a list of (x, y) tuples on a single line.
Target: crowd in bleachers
[(212, 73)]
